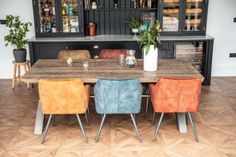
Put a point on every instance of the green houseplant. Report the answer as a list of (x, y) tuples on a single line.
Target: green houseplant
[(134, 25), (148, 40), (17, 36), (150, 36)]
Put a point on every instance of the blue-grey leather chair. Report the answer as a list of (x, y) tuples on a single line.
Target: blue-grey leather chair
[(118, 96)]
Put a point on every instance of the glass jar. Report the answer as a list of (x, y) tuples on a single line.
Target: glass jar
[(130, 60)]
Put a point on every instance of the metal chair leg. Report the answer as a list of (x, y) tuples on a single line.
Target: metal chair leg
[(46, 129), (153, 117), (193, 126), (86, 118), (88, 110), (100, 128), (82, 128), (134, 116), (136, 128), (54, 120), (158, 127), (147, 100)]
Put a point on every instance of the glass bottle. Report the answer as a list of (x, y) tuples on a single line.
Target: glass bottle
[(46, 9), (130, 60), (70, 10)]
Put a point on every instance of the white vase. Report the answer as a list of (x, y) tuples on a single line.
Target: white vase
[(150, 60)]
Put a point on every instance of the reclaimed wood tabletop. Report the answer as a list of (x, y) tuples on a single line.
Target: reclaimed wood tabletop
[(109, 68)]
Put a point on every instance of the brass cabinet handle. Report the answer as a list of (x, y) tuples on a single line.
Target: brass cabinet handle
[(96, 46)]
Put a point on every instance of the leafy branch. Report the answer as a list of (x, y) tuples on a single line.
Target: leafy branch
[(150, 36), (133, 23), (17, 32)]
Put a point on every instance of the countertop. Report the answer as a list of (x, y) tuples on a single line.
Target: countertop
[(117, 38)]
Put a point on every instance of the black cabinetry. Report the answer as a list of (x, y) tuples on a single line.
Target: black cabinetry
[(183, 17), (112, 18), (58, 18)]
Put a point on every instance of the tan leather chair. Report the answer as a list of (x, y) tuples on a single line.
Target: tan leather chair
[(63, 97), (74, 54)]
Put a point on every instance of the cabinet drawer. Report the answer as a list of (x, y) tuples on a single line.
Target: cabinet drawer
[(166, 50), (49, 50)]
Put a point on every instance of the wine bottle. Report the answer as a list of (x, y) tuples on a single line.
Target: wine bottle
[(49, 26), (42, 8), (50, 8), (63, 11), (53, 10), (46, 9), (54, 30), (70, 10)]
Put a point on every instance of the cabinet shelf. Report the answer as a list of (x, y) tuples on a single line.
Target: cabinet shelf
[(122, 9)]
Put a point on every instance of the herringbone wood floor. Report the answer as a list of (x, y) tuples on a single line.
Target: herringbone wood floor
[(216, 126)]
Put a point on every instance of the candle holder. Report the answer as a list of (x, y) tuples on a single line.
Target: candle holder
[(69, 61), (85, 64)]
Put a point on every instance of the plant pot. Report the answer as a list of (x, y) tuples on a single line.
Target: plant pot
[(91, 29), (135, 31), (19, 55), (150, 60)]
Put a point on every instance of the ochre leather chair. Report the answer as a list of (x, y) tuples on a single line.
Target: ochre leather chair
[(176, 95), (112, 53), (63, 97), (74, 54)]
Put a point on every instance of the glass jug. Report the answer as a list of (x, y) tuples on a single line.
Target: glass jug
[(130, 60)]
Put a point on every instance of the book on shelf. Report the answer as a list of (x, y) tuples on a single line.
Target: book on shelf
[(86, 4), (148, 17)]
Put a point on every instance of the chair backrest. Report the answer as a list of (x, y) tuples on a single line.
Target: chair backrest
[(112, 53), (74, 54), (63, 96), (176, 95), (117, 96)]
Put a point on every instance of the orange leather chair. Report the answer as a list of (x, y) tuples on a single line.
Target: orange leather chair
[(112, 53), (176, 95), (63, 97), (74, 54)]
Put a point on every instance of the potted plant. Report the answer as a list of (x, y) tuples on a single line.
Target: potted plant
[(148, 40), (16, 36), (134, 25)]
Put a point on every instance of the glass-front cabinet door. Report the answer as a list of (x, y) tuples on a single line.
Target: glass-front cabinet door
[(58, 18), (170, 15), (194, 14), (71, 16), (183, 17), (47, 17)]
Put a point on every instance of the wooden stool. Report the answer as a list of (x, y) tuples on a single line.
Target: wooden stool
[(16, 69)]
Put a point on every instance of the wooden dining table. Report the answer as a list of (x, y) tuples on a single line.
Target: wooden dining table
[(108, 68)]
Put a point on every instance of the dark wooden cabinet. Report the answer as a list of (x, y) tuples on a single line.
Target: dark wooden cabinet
[(51, 19), (177, 17), (183, 17)]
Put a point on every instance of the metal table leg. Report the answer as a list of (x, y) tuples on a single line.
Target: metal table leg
[(38, 128), (182, 122)]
